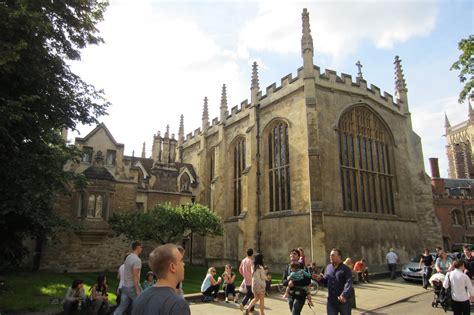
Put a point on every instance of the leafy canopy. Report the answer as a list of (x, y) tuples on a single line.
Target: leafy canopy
[(466, 66), (167, 224), (39, 96)]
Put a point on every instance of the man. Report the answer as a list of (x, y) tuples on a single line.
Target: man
[(338, 278), (468, 260), (245, 269), (437, 250), (362, 271), (461, 288), (167, 263), (131, 278), (297, 294), (392, 259)]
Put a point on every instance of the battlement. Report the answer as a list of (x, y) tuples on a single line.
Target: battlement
[(285, 81)]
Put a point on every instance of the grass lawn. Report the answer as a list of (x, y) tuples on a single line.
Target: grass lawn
[(35, 291)]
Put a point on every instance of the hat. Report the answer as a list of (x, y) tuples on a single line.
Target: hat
[(150, 273), (391, 249)]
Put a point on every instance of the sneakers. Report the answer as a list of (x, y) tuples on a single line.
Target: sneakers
[(227, 300)]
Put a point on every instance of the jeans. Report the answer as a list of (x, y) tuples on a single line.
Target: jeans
[(248, 295), (334, 308), (128, 294), (461, 308), (229, 288), (392, 268), (212, 290), (427, 271), (296, 304)]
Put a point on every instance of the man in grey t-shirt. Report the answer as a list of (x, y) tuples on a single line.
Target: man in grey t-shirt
[(167, 263), (131, 278)]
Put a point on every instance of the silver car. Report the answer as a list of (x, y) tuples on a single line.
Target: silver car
[(412, 270)]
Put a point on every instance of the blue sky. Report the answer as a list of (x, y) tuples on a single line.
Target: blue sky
[(161, 58)]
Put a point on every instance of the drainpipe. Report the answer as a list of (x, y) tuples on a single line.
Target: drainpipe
[(257, 118)]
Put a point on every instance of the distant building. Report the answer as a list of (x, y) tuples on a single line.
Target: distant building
[(454, 207), (459, 148), (319, 161)]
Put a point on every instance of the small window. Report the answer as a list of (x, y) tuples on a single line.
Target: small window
[(95, 206), (87, 154), (456, 217), (470, 217), (110, 159), (140, 206), (184, 183)]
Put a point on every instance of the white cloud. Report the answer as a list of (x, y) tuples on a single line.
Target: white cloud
[(338, 27)]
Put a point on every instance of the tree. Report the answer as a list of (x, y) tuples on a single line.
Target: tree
[(39, 97), (167, 224), (466, 66)]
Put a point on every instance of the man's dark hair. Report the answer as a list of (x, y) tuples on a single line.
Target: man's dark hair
[(466, 247), (458, 264), (135, 244), (338, 251), (295, 266), (296, 251), (76, 283), (438, 248), (249, 252)]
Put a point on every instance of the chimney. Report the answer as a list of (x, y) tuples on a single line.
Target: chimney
[(434, 167), (437, 183)]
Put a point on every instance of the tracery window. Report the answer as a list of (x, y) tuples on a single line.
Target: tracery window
[(456, 217), (279, 168), (366, 163), (87, 154), (212, 164), (238, 155), (95, 206)]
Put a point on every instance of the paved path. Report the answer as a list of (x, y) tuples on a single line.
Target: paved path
[(369, 297)]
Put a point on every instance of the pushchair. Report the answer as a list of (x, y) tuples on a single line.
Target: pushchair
[(436, 282)]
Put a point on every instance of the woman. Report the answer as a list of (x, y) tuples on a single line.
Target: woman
[(427, 261), (461, 289), (75, 297), (443, 263), (258, 285), (149, 281), (229, 286), (302, 259), (99, 296), (209, 286)]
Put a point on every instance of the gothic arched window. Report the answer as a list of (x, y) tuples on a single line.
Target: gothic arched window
[(95, 206), (470, 217), (238, 156), (184, 183), (456, 217), (366, 163), (279, 168)]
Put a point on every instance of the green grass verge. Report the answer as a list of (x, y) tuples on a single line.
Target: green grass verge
[(34, 291)]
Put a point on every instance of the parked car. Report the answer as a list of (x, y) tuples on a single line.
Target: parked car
[(412, 270)]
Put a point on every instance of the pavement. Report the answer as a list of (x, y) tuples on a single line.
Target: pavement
[(369, 297)]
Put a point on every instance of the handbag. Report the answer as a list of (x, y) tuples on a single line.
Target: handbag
[(445, 296)]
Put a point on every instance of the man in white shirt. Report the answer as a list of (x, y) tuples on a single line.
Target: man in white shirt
[(131, 278), (461, 289), (392, 259)]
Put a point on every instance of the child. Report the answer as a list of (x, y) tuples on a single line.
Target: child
[(149, 281), (229, 286), (268, 281), (295, 275)]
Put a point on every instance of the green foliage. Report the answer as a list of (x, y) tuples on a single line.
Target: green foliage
[(466, 66), (167, 224), (39, 96)]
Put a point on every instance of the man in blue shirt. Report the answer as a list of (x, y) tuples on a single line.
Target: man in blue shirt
[(338, 278)]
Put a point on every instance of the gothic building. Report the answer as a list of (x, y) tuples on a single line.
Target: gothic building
[(319, 160), (459, 149)]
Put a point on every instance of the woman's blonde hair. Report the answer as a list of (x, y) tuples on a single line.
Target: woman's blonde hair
[(211, 269)]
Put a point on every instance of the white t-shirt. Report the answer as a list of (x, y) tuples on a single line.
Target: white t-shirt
[(391, 258), (121, 275), (461, 287), (132, 262)]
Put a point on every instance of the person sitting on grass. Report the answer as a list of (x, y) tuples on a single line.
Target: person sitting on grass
[(99, 296), (149, 281), (75, 297), (209, 286), (297, 274)]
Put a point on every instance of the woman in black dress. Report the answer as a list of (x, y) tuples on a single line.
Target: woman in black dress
[(426, 261)]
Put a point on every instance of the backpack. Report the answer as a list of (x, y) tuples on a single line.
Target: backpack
[(445, 297)]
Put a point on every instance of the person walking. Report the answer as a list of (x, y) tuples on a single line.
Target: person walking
[(131, 278), (427, 261), (245, 269), (461, 288), (258, 285), (297, 293), (392, 260), (167, 263), (338, 278), (468, 260)]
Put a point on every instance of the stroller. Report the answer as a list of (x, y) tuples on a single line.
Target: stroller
[(436, 282)]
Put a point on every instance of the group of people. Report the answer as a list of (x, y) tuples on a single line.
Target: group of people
[(97, 303), (452, 272)]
